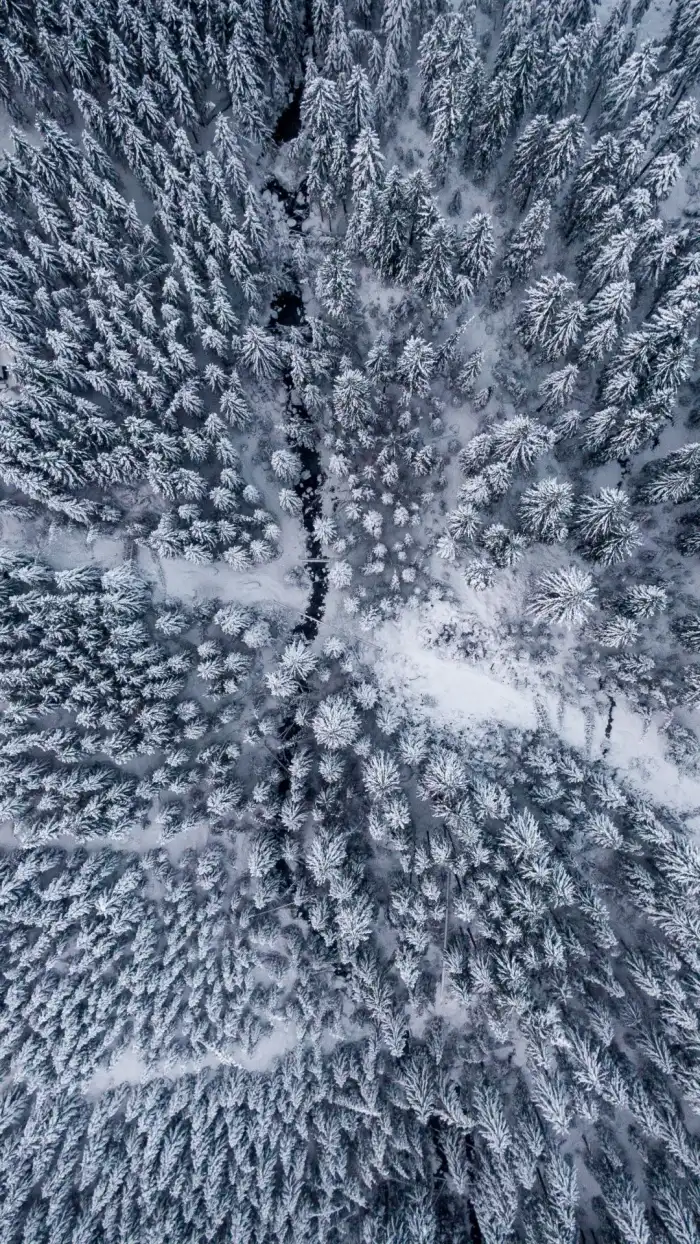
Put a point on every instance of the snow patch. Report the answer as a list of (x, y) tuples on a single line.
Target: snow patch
[(518, 693), (64, 548), (130, 1068)]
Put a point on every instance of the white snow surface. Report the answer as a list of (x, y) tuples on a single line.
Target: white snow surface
[(130, 1068), (503, 689), (176, 577)]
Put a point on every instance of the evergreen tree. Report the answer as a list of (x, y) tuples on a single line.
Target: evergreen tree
[(451, 76), (352, 400), (336, 723), (607, 314), (359, 103), (559, 386), (338, 60), (607, 532), (335, 283), (529, 153), (435, 279), (632, 78), (550, 318), (566, 64), (519, 442), (527, 243), (322, 121), (545, 510), (367, 162), (396, 25), (416, 365), (524, 69), (476, 252), (494, 122), (565, 597)]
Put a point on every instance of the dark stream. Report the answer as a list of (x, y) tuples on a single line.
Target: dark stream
[(287, 311), (289, 121)]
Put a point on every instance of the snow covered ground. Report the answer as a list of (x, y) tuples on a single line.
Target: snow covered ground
[(129, 1067), (172, 576), (468, 695)]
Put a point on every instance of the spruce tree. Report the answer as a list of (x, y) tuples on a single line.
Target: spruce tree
[(527, 242)]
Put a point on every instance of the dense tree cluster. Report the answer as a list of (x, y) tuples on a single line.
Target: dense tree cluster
[(513, 944), (113, 714), (281, 961)]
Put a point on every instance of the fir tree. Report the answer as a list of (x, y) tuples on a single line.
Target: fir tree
[(494, 122), (367, 162), (336, 723), (527, 243), (335, 283), (565, 597), (416, 365), (607, 531), (476, 252), (435, 279), (322, 120), (550, 318), (631, 79), (545, 510)]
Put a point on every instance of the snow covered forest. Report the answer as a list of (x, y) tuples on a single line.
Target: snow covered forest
[(349, 622)]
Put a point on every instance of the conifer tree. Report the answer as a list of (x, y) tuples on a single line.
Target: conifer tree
[(545, 509), (529, 154), (565, 597), (451, 75), (367, 162), (494, 122), (322, 121), (435, 279), (550, 318), (607, 532), (338, 59), (528, 241), (359, 103), (335, 283), (476, 252), (632, 78), (416, 365), (524, 69), (566, 64)]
